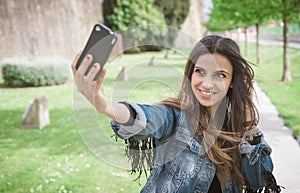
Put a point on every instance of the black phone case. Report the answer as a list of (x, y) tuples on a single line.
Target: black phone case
[(100, 43)]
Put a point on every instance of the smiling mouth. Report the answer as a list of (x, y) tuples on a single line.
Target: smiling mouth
[(207, 93)]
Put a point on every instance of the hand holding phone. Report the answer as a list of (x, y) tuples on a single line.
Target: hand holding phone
[(100, 43)]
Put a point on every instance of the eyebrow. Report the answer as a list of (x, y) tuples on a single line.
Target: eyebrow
[(198, 67), (222, 71)]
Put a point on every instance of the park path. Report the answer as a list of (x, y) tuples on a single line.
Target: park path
[(276, 40), (285, 148)]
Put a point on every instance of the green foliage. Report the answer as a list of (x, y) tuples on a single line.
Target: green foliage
[(175, 12), (120, 15), (129, 13), (133, 19), (108, 9), (241, 13), (31, 72), (244, 13), (290, 9)]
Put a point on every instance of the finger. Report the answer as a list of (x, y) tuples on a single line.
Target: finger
[(101, 78), (73, 66), (92, 73), (83, 67)]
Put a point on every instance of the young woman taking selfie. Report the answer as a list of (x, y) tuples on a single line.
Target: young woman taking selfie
[(206, 139)]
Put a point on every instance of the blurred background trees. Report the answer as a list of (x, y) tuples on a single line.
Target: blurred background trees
[(245, 13), (122, 15), (60, 28), (131, 18)]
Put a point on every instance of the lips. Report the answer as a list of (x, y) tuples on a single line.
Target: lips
[(206, 93)]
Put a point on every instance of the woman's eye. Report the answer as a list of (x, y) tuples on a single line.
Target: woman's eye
[(200, 71), (221, 75)]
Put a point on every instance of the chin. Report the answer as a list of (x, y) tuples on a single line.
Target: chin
[(206, 104), (209, 104)]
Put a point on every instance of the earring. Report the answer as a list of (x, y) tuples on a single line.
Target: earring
[(228, 108), (228, 104)]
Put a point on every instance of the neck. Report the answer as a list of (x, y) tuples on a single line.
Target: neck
[(219, 109)]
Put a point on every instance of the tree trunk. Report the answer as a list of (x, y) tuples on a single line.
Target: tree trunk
[(238, 36), (257, 44), (286, 77), (246, 41)]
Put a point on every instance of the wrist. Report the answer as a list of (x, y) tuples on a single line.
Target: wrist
[(101, 105)]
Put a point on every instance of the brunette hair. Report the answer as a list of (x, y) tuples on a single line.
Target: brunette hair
[(221, 144)]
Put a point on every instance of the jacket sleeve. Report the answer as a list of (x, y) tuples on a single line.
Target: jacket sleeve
[(256, 162), (150, 121)]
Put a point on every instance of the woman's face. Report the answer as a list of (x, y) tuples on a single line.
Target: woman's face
[(211, 79)]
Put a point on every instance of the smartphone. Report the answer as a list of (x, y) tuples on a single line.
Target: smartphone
[(100, 43)]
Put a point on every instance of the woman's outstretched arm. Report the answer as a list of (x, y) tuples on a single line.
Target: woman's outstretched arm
[(93, 90)]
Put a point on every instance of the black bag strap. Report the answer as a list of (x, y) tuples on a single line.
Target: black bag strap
[(271, 186)]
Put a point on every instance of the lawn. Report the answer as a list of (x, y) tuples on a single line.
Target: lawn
[(56, 158), (276, 30)]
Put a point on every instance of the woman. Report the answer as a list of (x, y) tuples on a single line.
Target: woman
[(206, 137)]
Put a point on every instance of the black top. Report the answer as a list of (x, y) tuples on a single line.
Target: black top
[(132, 114), (215, 186)]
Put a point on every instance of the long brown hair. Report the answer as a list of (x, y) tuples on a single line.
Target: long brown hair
[(222, 139)]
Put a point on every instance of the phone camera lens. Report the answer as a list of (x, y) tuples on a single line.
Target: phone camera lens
[(98, 28)]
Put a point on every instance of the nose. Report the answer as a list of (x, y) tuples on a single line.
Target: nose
[(207, 83)]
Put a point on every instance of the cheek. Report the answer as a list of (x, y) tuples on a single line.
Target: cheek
[(224, 86), (193, 80), (194, 83), (196, 79), (229, 84)]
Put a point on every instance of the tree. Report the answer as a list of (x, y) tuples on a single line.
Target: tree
[(175, 12), (290, 10), (108, 9), (228, 16), (243, 13), (287, 11), (132, 19)]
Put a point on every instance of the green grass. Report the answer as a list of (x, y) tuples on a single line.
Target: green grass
[(293, 28), (284, 95), (55, 158)]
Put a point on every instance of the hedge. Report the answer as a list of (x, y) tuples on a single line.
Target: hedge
[(32, 72)]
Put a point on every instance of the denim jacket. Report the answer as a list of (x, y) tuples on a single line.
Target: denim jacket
[(181, 164)]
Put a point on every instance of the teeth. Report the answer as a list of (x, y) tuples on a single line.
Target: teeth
[(207, 93)]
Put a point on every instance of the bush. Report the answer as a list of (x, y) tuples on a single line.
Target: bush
[(133, 19), (32, 72), (175, 12)]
